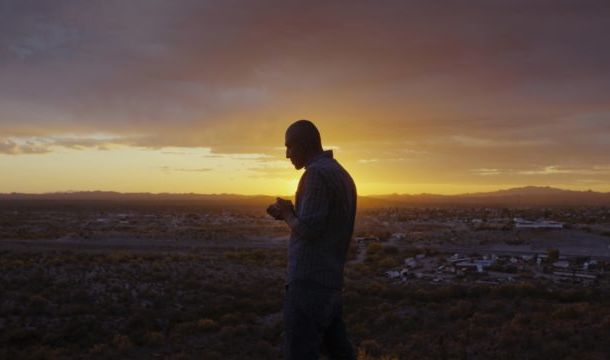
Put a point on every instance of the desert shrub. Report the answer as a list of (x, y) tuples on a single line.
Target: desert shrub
[(571, 311), (394, 293), (230, 332), (369, 348), (153, 338), (98, 349), (517, 291), (388, 262), (352, 251), (374, 248), (22, 337), (383, 235), (553, 254), (257, 256), (390, 250), (206, 325), (184, 329), (211, 355), (122, 343), (375, 288), (430, 251), (460, 310), (71, 333), (38, 305), (41, 352), (118, 257), (263, 349), (231, 319)]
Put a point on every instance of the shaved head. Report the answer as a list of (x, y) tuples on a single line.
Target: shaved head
[(306, 133), (302, 142)]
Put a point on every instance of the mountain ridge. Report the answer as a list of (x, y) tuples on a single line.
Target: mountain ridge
[(526, 195), (521, 189)]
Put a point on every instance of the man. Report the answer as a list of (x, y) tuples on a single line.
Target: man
[(321, 223)]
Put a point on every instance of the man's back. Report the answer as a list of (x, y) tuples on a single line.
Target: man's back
[(326, 208)]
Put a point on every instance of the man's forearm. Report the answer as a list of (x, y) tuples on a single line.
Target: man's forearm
[(292, 220), (299, 227)]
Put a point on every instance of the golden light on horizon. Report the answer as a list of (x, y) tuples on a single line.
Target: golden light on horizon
[(193, 98), (198, 170)]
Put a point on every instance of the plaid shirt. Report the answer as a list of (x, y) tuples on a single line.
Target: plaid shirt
[(326, 209)]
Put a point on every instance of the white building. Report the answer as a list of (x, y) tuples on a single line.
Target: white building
[(561, 264), (539, 224)]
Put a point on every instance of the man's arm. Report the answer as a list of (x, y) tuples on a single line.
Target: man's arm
[(315, 206)]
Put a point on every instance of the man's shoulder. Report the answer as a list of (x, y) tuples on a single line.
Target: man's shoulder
[(323, 167), (326, 170)]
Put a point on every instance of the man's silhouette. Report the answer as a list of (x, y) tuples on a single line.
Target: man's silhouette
[(321, 223)]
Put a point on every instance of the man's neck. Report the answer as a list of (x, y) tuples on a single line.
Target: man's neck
[(313, 157)]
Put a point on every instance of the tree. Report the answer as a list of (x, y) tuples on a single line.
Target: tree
[(553, 254)]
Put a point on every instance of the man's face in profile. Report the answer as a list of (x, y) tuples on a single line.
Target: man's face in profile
[(295, 152)]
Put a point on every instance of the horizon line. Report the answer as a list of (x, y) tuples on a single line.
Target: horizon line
[(68, 192)]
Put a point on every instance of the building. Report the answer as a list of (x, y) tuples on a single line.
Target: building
[(538, 224)]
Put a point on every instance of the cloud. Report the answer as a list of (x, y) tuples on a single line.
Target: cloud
[(476, 85), (9, 147), (41, 145), (501, 143), (552, 170), (384, 160), (486, 172), (547, 170), (168, 169), (597, 174)]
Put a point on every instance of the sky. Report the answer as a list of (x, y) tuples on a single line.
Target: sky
[(195, 96)]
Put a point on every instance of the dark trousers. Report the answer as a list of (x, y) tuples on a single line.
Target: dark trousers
[(313, 320)]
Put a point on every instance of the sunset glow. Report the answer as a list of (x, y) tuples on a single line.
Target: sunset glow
[(195, 96)]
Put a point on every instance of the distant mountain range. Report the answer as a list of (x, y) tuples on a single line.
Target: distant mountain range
[(523, 196)]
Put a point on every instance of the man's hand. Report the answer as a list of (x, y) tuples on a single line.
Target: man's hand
[(285, 207), (274, 211), (281, 209)]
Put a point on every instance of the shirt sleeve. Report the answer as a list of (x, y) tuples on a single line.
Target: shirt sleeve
[(312, 217)]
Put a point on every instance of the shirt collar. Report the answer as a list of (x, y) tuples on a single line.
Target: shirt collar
[(323, 154)]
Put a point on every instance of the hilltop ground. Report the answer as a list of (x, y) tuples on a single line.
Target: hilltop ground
[(105, 289)]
